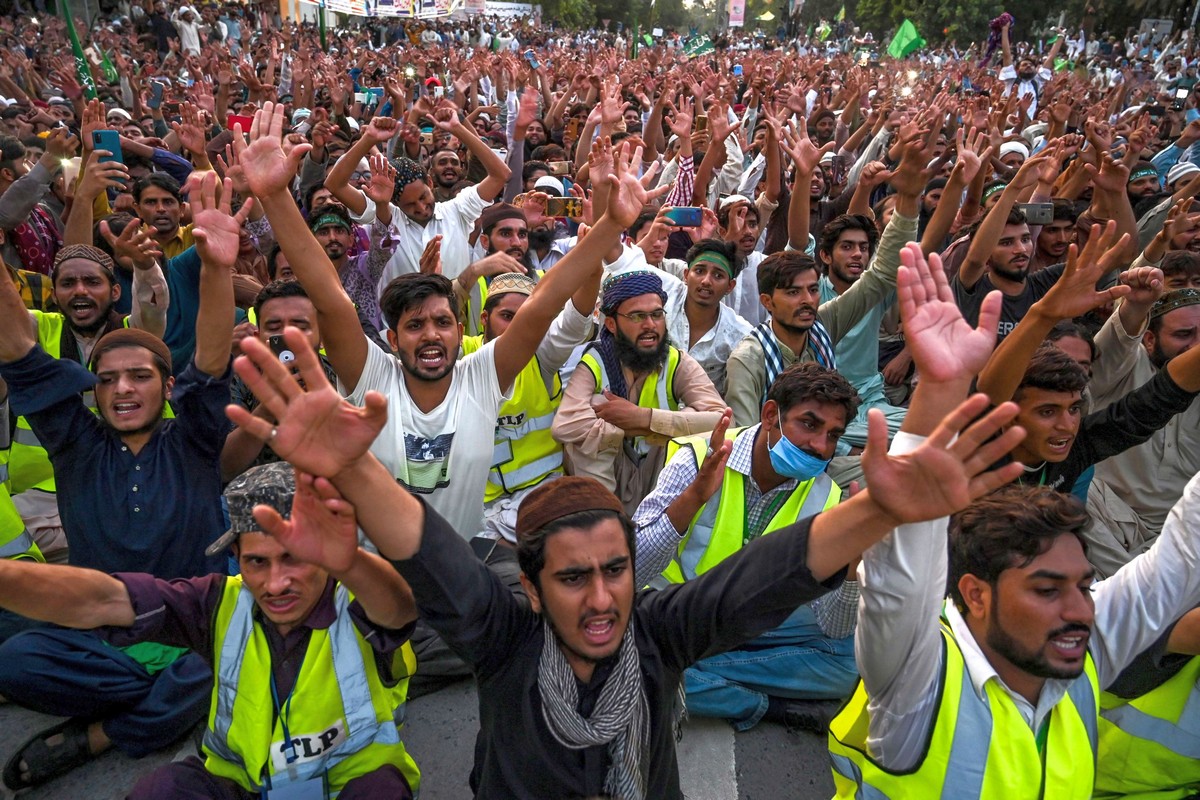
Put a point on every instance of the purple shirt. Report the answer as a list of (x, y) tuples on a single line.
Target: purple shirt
[(180, 613)]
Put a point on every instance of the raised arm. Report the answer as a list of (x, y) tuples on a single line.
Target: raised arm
[(269, 173), (498, 173), (67, 596), (217, 242), (806, 156), (988, 235), (378, 132)]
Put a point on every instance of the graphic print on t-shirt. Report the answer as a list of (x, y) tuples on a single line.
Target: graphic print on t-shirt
[(428, 462)]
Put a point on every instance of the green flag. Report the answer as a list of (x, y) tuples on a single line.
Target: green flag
[(841, 15), (110, 72), (83, 73), (906, 41), (699, 46), (321, 25)]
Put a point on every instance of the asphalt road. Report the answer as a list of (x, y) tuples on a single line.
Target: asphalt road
[(765, 763)]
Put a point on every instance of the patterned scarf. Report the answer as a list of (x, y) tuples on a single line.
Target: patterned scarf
[(621, 718), (818, 341), (37, 241)]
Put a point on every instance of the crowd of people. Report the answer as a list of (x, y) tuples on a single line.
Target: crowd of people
[(762, 381)]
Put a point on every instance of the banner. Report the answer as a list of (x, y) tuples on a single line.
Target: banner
[(737, 13), (906, 40), (698, 46), (83, 73)]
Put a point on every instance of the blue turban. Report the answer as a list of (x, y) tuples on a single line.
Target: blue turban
[(616, 290)]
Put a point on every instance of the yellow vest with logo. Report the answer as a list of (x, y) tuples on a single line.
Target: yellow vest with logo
[(29, 463), (524, 453), (15, 540), (342, 719), (718, 530), (476, 300), (657, 391), (977, 748), (1150, 746)]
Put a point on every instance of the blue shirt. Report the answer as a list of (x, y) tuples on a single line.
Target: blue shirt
[(151, 512)]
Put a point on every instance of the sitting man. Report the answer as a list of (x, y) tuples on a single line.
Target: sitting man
[(632, 392), (702, 513), (343, 702)]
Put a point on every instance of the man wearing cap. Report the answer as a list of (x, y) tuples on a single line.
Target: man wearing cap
[(414, 214), (700, 514), (136, 492), (632, 391), (329, 720), (579, 694), (360, 274), (1143, 182)]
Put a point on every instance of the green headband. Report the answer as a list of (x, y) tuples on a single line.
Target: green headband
[(329, 219), (1000, 187), (713, 257), (1143, 172)]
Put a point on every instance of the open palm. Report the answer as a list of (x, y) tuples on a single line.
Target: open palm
[(321, 528), (943, 345), (267, 168), (217, 232)]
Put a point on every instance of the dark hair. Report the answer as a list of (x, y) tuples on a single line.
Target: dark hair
[(645, 218), (848, 222), (116, 225), (1180, 262), (276, 290), (1070, 329), (273, 261), (531, 548), (549, 152), (808, 380), (1015, 217), (532, 167), (1065, 210), (409, 291), (160, 180), (11, 151), (336, 210), (727, 249), (1052, 370), (1010, 528), (310, 192), (778, 269)]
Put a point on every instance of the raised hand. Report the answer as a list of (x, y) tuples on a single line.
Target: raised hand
[(99, 176), (135, 247), (712, 471), (950, 468), (382, 185), (805, 154), (322, 528), (431, 257), (191, 130), (216, 229), (317, 430), (680, 119), (944, 347), (1074, 292), (381, 129), (268, 170), (628, 197), (1146, 285), (972, 152)]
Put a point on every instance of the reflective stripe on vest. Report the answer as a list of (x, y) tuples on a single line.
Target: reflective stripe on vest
[(238, 693), (15, 540), (718, 529), (977, 748), (1150, 745)]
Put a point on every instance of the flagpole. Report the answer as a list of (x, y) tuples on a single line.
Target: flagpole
[(83, 72), (321, 25)]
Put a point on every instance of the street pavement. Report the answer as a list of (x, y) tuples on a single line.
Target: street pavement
[(765, 763)]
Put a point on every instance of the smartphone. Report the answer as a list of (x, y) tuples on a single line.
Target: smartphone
[(1182, 94), (532, 59), (483, 547), (375, 93), (701, 123), (685, 216), (737, 70), (564, 207), (362, 97), (280, 349), (110, 141), (239, 119), (560, 167), (439, 92), (156, 95), (1037, 213), (427, 138), (572, 128)]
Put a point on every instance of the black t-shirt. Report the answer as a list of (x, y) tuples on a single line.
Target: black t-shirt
[(1015, 307)]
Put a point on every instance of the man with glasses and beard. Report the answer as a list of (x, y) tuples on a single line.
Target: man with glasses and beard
[(632, 392)]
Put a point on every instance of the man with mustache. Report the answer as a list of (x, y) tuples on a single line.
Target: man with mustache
[(158, 202), (1056, 237), (632, 391), (996, 693), (1027, 77)]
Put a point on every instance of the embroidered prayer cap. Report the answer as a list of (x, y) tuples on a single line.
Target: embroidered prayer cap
[(272, 485), (407, 171), (562, 497), (88, 253), (624, 285), (511, 283), (1173, 300)]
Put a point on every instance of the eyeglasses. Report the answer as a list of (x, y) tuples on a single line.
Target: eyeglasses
[(360, 176), (640, 317)]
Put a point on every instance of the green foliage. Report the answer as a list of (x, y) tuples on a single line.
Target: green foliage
[(571, 13)]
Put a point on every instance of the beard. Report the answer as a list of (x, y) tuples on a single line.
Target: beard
[(1016, 275), (1157, 357), (637, 359), (1034, 662), (540, 238), (1027, 75), (91, 329)]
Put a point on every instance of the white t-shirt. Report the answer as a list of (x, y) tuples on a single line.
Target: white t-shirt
[(443, 455)]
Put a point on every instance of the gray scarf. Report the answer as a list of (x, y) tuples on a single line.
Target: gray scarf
[(620, 719)]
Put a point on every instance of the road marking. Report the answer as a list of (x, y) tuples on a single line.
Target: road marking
[(707, 762)]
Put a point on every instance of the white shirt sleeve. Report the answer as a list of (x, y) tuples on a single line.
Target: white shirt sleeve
[(568, 330)]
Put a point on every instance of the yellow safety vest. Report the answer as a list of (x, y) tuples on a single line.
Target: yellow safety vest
[(15, 539), (29, 462), (524, 452), (1150, 746), (718, 530), (977, 748), (656, 393), (342, 719)]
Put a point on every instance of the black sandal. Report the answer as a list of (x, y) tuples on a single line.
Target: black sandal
[(44, 761)]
